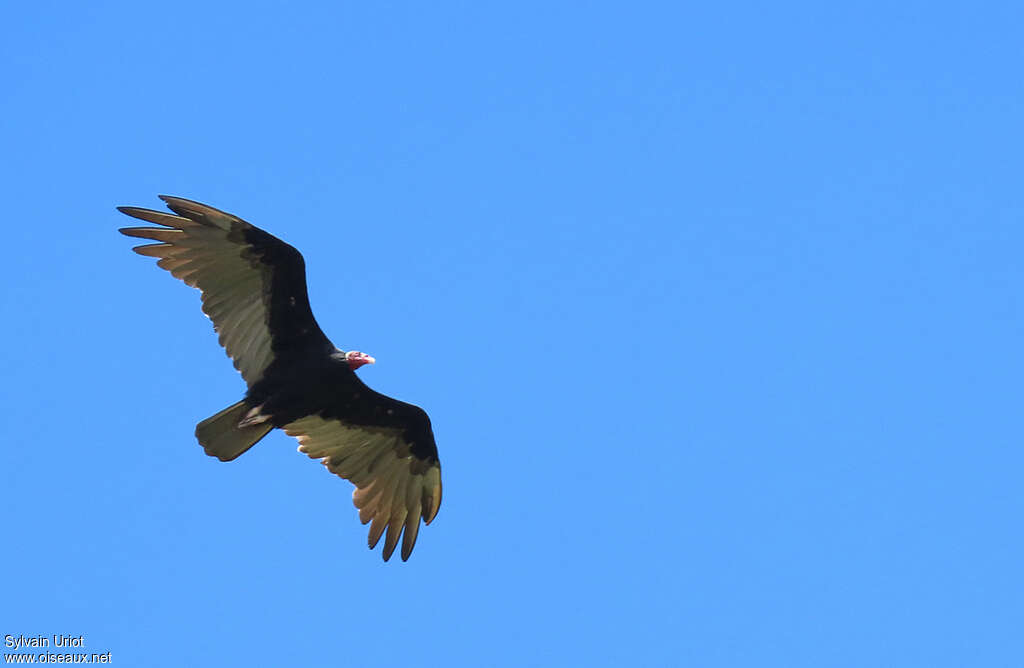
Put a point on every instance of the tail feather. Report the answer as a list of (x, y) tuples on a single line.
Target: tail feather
[(223, 438)]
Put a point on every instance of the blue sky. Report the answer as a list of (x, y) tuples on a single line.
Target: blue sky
[(716, 311)]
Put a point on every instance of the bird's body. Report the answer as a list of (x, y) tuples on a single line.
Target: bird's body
[(254, 290), (327, 386)]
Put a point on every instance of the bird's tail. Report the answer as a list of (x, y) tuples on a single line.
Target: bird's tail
[(223, 437)]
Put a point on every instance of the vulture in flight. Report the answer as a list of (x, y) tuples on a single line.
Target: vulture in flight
[(254, 290)]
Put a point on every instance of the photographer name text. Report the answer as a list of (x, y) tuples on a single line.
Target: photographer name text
[(20, 641)]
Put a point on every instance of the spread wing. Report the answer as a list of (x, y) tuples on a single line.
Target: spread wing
[(253, 284), (386, 448)]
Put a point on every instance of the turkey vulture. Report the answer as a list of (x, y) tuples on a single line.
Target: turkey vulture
[(254, 290)]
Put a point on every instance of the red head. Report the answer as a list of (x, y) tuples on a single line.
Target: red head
[(357, 359)]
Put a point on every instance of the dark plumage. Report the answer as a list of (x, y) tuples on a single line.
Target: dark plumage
[(254, 290)]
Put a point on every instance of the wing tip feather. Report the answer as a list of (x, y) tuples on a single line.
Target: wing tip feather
[(152, 250), (161, 218), (203, 214)]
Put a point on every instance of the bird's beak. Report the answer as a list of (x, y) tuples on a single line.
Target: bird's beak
[(369, 360)]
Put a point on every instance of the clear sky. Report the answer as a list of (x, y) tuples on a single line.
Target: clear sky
[(716, 310)]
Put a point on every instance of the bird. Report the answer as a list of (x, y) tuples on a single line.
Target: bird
[(253, 288)]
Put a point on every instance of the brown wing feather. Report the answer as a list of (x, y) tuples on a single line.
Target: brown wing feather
[(233, 264), (394, 488)]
